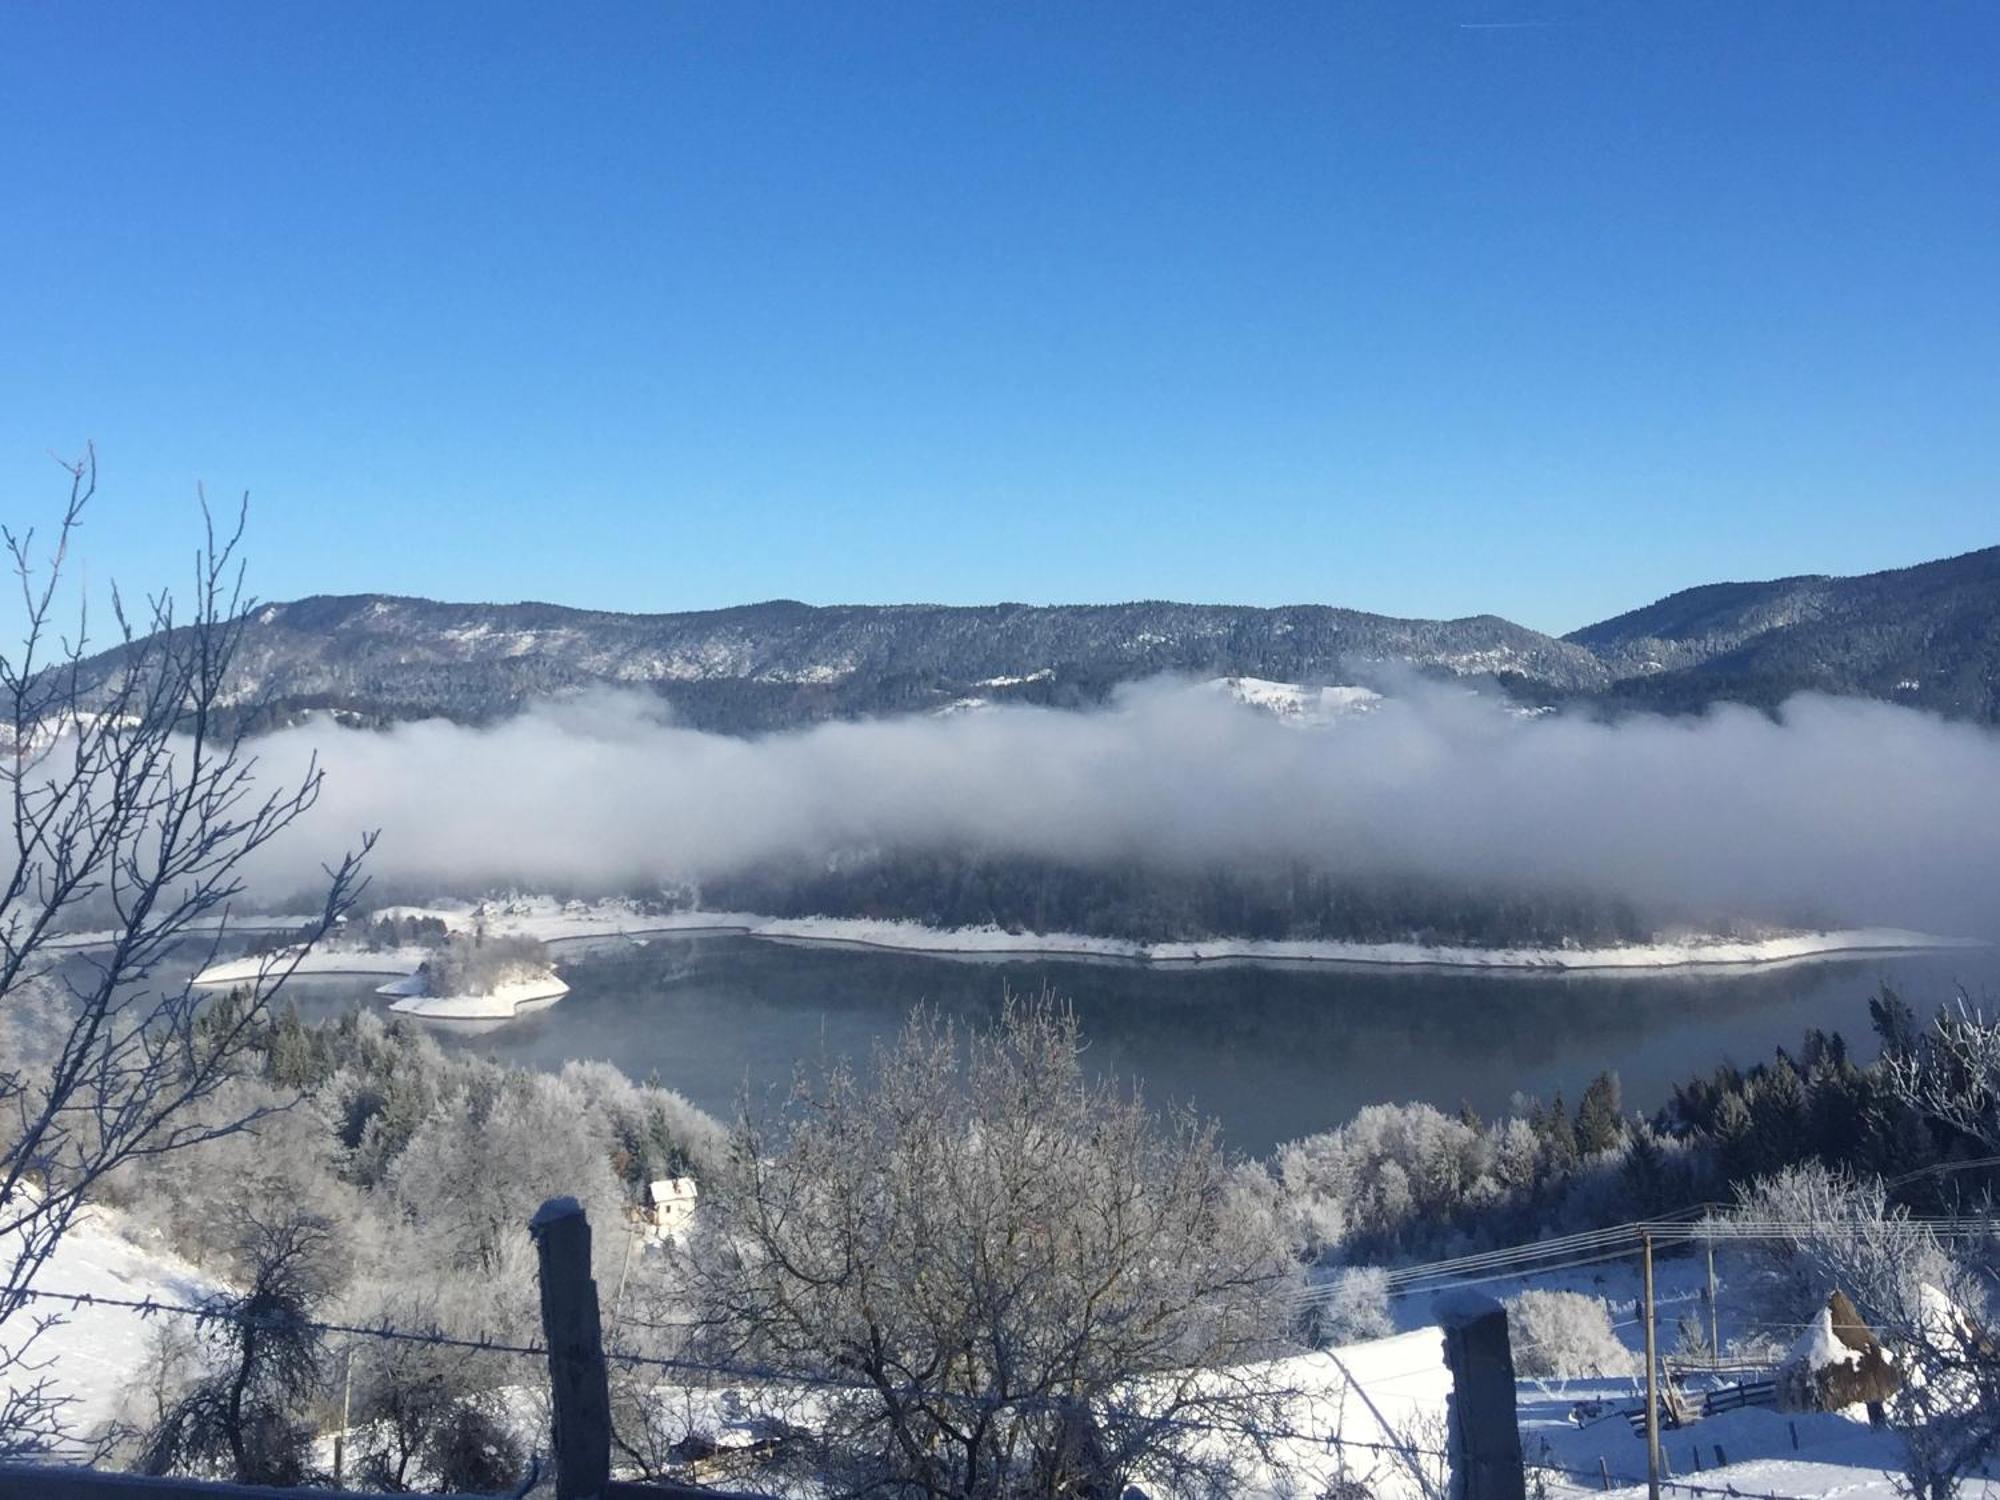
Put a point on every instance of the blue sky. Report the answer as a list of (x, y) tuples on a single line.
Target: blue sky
[(1536, 307)]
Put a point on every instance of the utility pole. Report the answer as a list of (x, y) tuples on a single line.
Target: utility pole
[(1652, 1378), (574, 1338), (346, 1402), (1714, 1335)]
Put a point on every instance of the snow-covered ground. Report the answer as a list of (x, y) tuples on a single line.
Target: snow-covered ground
[(1372, 1412), (93, 1352), (1577, 1429), (554, 921), (1384, 1401), (327, 958)]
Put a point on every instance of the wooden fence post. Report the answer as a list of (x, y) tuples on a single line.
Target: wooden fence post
[(575, 1341), (1485, 1434)]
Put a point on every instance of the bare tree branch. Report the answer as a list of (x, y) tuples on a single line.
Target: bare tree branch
[(133, 812)]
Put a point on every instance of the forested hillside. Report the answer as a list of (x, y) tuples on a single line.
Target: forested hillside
[(1927, 635), (765, 666)]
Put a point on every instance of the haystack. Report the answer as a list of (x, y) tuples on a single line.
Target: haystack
[(1838, 1362)]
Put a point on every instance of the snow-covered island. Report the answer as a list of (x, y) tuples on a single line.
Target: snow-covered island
[(444, 964), (474, 977)]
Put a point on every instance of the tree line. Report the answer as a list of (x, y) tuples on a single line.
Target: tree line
[(1155, 902)]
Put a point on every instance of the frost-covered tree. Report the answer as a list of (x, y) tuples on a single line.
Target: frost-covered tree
[(1600, 1125), (477, 964), (1019, 1280), (131, 812), (1950, 1072), (482, 1160), (1565, 1335), (1353, 1306), (429, 1417), (1819, 1232), (242, 1416)]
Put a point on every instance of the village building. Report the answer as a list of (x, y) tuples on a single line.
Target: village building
[(670, 1204)]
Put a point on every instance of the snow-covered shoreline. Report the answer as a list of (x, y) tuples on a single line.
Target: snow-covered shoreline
[(557, 923), (326, 959), (1691, 952)]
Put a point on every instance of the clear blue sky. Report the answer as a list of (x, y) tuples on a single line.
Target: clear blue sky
[(1539, 307)]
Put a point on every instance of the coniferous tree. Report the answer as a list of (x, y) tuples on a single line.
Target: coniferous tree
[(1599, 1124), (1895, 1022), (1559, 1139), (1778, 1134), (1644, 1172), (1730, 1134)]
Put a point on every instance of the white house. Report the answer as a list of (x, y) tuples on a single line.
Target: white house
[(670, 1205)]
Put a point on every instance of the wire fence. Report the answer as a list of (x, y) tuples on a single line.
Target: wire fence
[(1221, 1427), (1539, 1257)]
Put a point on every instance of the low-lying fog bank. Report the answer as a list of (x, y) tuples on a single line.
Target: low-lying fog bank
[(1833, 813)]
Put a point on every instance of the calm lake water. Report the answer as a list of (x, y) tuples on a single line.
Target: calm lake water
[(1273, 1052)]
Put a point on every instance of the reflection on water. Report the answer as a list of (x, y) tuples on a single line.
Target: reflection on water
[(1274, 1052)]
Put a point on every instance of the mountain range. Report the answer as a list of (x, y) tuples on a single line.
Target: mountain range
[(1927, 635)]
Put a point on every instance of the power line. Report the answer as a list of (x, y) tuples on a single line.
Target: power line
[(1595, 1247)]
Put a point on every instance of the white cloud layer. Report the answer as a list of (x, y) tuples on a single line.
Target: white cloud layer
[(1842, 809)]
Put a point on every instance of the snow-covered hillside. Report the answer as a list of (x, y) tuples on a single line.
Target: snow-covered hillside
[(1291, 703), (93, 1352)]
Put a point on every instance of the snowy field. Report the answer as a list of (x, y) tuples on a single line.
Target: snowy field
[(1371, 1412), (1573, 1427), (93, 1353)]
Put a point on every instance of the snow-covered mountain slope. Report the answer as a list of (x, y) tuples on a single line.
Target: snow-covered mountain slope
[(1928, 635), (766, 666), (1292, 703)]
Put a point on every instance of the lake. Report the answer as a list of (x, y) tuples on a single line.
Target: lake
[(1274, 1052)]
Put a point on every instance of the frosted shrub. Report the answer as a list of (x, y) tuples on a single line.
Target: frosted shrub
[(1356, 1307), (1564, 1336)]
